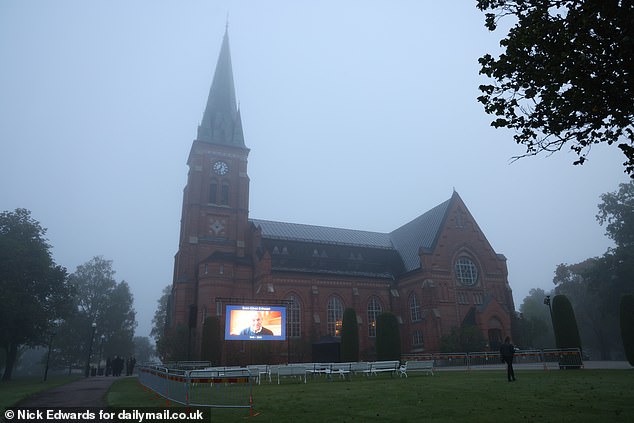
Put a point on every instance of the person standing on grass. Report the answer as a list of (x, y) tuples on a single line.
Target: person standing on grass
[(507, 351)]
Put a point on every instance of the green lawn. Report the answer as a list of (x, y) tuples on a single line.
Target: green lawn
[(481, 396), (15, 390)]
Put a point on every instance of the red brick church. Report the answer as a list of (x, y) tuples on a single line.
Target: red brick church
[(432, 273)]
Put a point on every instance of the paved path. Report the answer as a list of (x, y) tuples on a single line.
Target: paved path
[(87, 392)]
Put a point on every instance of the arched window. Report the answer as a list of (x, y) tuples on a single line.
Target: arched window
[(213, 191), (335, 316), (374, 309), (417, 339), (224, 194), (293, 317), (466, 271), (414, 308)]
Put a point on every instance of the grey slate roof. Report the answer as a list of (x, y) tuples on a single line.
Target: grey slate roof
[(420, 233), (322, 234)]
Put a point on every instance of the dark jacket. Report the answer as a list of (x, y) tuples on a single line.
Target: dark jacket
[(507, 350)]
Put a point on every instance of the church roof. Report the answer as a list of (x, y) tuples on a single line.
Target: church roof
[(420, 233), (407, 240), (322, 234)]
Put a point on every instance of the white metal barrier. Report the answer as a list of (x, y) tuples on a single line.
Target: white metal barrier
[(551, 358), (215, 387), (232, 386), (568, 358)]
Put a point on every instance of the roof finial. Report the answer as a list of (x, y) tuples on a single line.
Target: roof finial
[(227, 23)]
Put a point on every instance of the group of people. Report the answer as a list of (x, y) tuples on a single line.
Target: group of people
[(115, 366)]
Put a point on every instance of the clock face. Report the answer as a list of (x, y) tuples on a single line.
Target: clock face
[(221, 168)]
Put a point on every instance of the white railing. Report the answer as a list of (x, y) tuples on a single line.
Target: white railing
[(549, 358), (215, 387), (232, 386)]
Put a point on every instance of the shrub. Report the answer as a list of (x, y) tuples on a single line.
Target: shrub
[(564, 323), (349, 336), (464, 339), (627, 326), (212, 341), (388, 338)]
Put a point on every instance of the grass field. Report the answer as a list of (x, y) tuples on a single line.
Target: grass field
[(14, 390), (478, 396)]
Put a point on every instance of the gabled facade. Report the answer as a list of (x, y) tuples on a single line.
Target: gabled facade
[(433, 273)]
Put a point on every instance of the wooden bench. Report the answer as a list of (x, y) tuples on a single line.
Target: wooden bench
[(384, 366), (416, 365)]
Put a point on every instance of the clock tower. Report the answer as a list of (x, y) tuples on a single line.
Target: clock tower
[(212, 255)]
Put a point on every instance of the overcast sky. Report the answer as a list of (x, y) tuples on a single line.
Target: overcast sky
[(359, 114)]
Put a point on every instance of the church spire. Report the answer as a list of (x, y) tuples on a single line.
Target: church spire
[(221, 119)]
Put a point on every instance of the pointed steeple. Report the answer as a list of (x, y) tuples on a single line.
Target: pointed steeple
[(238, 136), (221, 122)]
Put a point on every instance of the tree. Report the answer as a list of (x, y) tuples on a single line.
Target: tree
[(173, 345), (34, 291), (594, 287), (388, 337), (159, 322), (212, 341), (119, 321), (537, 324), (69, 351), (160, 314), (143, 349), (627, 326), (565, 323), (466, 338), (617, 211), (565, 77), (101, 300), (349, 336)]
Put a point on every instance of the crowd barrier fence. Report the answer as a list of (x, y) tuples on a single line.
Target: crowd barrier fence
[(215, 387), (197, 384), (563, 358)]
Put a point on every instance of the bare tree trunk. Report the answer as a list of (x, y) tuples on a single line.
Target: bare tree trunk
[(12, 353)]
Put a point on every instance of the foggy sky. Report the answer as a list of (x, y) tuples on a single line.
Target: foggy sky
[(358, 114)]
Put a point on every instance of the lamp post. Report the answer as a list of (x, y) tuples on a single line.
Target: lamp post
[(550, 309), (103, 338), (92, 336), (547, 302)]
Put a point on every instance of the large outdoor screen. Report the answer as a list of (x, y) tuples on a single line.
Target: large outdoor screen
[(255, 323)]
